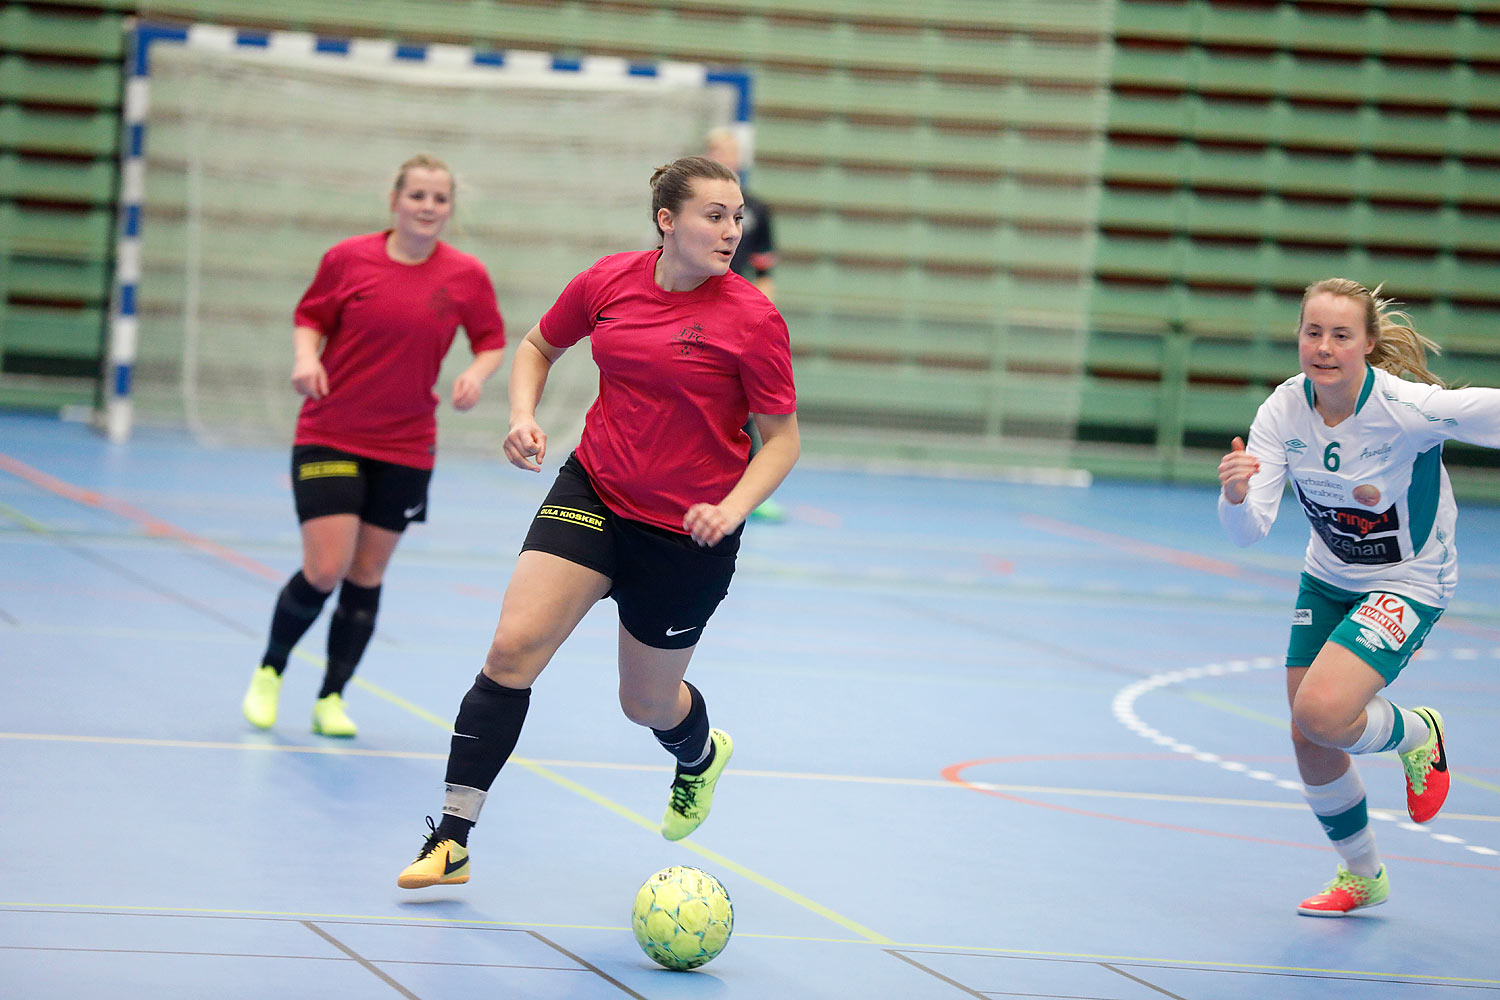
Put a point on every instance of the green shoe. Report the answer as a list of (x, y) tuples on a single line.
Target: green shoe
[(1347, 892), (693, 794), (770, 510), (259, 705), (329, 717)]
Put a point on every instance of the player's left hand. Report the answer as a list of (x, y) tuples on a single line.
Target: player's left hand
[(709, 523), (466, 390)]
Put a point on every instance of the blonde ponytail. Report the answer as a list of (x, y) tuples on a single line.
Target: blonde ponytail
[(1399, 348)]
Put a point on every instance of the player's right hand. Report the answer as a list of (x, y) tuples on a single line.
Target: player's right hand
[(1235, 470), (309, 378), (525, 442)]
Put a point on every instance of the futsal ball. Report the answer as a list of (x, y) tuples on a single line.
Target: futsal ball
[(682, 917)]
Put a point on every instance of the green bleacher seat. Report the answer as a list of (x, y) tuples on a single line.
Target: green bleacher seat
[(37, 279), (77, 235), (81, 182), (71, 334), (1161, 164), (23, 78), (81, 133), (68, 32), (1166, 20), (1154, 209)]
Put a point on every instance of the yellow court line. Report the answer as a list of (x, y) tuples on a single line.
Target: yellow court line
[(712, 856), (981, 950), (641, 821), (542, 763)]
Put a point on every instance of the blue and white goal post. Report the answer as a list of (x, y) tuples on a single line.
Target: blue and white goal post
[(246, 154)]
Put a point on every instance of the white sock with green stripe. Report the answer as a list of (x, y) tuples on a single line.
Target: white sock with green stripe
[(1340, 807), (1389, 727)]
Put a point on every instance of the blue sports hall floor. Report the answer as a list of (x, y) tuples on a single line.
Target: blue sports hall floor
[(993, 739)]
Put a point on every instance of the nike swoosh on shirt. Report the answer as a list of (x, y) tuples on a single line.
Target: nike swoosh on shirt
[(599, 317)]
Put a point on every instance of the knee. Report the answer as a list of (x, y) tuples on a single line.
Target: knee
[(644, 710), (514, 661), (1318, 719), (323, 574)]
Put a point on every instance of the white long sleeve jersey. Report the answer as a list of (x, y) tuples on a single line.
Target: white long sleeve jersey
[(1374, 488)]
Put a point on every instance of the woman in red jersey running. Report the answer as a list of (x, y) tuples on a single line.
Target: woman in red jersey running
[(649, 509), (371, 333)]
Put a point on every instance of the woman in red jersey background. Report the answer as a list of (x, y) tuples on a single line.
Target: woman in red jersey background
[(370, 335), (649, 509)]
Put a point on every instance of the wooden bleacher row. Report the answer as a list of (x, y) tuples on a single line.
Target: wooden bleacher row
[(1357, 222), (1447, 30), (59, 126), (1307, 126), (1301, 76), (1257, 147), (1350, 174)]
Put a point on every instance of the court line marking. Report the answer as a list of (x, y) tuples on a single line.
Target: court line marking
[(1206, 564), (1125, 713), (1192, 964), (954, 772), (1224, 705), (155, 526), (160, 528), (110, 909), (363, 962), (848, 779), (928, 948)]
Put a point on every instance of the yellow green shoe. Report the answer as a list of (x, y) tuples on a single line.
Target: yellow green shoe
[(442, 862), (769, 510), (329, 717), (1426, 769), (693, 794), (260, 701), (1347, 892)]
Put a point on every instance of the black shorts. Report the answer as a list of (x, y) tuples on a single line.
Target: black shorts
[(329, 481), (665, 584)]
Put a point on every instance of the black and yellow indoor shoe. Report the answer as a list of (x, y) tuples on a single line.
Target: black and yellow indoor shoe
[(442, 862)]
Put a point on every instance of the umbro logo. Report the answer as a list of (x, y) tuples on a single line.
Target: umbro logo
[(1296, 446), (452, 865)]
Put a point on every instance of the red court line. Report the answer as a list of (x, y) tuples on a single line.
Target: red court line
[(1161, 553), (1206, 564), (954, 772), (152, 526)]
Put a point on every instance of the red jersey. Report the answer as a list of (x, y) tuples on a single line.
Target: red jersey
[(679, 374), (388, 326)]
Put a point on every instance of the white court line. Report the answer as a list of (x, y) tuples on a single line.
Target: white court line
[(1125, 713), (594, 765)]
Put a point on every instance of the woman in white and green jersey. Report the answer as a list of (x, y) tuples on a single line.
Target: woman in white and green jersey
[(1360, 434)]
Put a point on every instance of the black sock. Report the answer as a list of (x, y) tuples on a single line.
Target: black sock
[(349, 633), (485, 733), (686, 740), (454, 828), (297, 607)]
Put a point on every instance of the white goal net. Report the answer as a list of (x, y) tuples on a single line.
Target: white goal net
[(260, 157)]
